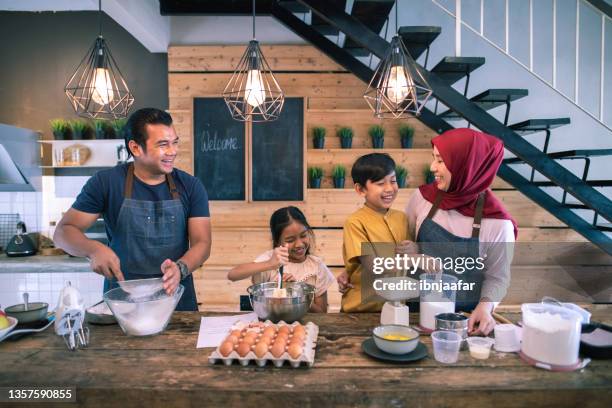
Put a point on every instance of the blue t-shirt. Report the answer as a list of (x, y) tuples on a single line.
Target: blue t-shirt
[(103, 194)]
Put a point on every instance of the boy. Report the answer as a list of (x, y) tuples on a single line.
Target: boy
[(374, 178)]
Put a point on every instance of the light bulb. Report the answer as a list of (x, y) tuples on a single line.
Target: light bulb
[(102, 93), (397, 84), (255, 94)]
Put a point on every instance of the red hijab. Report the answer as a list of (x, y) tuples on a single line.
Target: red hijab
[(473, 159)]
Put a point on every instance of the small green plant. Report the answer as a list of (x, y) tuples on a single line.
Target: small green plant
[(377, 133), (406, 135), (100, 127), (314, 176), (78, 128), (118, 127), (401, 175), (339, 172), (429, 175), (60, 128), (346, 137), (318, 134)]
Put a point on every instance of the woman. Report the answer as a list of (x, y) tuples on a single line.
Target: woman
[(458, 216)]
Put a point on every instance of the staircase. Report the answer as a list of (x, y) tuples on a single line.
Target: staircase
[(361, 28)]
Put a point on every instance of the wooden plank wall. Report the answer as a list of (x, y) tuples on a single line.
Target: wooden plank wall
[(333, 99)]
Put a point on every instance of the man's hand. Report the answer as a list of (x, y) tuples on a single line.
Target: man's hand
[(481, 320), (172, 276), (343, 282), (104, 261)]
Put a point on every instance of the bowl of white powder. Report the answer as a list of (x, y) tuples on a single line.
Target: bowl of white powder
[(142, 315)]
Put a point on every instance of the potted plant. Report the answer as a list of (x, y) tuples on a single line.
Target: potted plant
[(61, 129), (318, 139), (346, 137), (78, 129), (377, 133), (429, 176), (315, 174), (406, 136), (339, 174), (401, 175), (118, 127), (100, 127), (89, 131)]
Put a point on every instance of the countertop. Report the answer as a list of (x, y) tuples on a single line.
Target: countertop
[(168, 370), (43, 264)]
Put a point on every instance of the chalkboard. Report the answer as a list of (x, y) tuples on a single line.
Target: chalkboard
[(219, 155), (278, 155)]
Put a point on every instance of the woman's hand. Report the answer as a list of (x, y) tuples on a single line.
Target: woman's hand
[(481, 320), (343, 282), (280, 256)]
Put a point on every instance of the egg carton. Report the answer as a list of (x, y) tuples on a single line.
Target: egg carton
[(306, 358)]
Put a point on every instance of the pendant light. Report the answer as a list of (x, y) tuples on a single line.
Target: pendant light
[(397, 89), (253, 94), (97, 89)]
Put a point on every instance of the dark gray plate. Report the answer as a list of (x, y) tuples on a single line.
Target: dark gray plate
[(369, 347)]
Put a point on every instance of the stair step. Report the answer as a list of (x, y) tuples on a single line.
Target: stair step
[(604, 227), (418, 38), (592, 183), (371, 13), (322, 26), (539, 125), (452, 69), (294, 6), (569, 154), (490, 99), (575, 206)]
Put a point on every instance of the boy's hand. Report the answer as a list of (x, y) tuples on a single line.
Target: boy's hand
[(407, 247), (343, 282), (280, 256)]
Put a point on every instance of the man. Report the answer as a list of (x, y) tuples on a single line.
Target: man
[(156, 216)]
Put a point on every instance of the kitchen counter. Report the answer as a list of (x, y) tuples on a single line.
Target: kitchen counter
[(44, 264), (167, 370)]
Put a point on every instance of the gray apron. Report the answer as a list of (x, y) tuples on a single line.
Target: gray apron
[(435, 241), (148, 233)]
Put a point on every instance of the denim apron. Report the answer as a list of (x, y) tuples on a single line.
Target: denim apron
[(148, 233), (435, 241)]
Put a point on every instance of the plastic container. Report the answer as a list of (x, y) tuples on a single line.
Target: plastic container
[(446, 346), (551, 334), (480, 347), (144, 315), (433, 301)]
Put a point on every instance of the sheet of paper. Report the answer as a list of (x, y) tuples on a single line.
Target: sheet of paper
[(214, 329)]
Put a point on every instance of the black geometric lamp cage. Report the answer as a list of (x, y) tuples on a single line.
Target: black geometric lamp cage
[(97, 89), (253, 94), (397, 89)]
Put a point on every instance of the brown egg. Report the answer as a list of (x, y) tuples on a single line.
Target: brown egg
[(236, 333), (277, 349), (251, 335), (232, 338), (243, 348), (261, 349), (299, 329), (284, 329), (265, 339), (248, 340), (226, 348), (282, 336), (295, 350), (298, 335), (270, 331), (296, 340)]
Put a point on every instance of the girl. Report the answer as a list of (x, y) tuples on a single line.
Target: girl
[(291, 238)]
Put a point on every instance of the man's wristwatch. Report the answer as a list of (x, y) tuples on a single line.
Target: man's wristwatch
[(183, 268)]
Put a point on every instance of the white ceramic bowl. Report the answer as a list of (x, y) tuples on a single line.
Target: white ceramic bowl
[(396, 346)]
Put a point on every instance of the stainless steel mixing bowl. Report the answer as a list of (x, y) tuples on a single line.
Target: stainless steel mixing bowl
[(289, 309)]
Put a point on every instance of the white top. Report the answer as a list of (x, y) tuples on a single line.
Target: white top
[(313, 271), (497, 258)]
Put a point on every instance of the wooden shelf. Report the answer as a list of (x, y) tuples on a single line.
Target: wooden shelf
[(366, 151), (84, 141), (75, 167)]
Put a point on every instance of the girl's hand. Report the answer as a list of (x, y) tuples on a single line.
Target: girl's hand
[(287, 277), (481, 320), (343, 282), (407, 247), (280, 256)]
